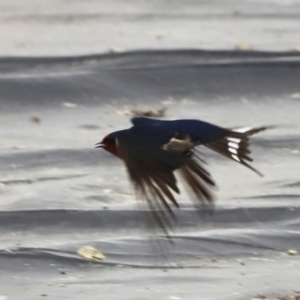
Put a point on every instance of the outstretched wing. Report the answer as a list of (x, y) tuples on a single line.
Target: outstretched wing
[(151, 170)]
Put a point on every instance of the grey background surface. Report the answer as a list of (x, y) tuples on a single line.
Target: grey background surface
[(63, 27), (58, 193)]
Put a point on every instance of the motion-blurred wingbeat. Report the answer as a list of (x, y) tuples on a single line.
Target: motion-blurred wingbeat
[(153, 149)]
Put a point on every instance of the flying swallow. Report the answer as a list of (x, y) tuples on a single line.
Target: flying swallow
[(152, 150)]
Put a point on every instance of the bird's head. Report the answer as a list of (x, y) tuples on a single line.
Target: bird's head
[(109, 144)]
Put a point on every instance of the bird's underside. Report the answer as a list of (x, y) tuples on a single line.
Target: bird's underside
[(153, 150)]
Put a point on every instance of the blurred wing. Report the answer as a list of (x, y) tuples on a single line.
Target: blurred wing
[(199, 181), (151, 170)]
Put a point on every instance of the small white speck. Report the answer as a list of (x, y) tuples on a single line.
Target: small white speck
[(107, 191), (233, 139), (242, 129), (69, 105), (235, 157), (233, 145), (295, 95), (234, 151)]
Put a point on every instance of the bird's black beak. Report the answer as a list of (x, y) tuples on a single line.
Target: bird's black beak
[(99, 145)]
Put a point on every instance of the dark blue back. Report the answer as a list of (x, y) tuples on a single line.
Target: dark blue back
[(160, 131)]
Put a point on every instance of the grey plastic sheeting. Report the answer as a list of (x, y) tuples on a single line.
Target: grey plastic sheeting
[(58, 193), (60, 27)]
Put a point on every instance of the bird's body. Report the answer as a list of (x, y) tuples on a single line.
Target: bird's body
[(153, 149), (161, 132)]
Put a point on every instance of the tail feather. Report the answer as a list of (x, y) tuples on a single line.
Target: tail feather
[(236, 145), (251, 130)]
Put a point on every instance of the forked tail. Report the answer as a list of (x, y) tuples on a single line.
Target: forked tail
[(236, 145)]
